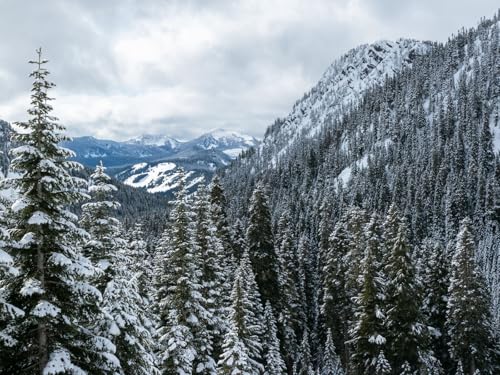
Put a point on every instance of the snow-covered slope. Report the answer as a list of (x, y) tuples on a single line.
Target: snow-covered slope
[(153, 161), (341, 87)]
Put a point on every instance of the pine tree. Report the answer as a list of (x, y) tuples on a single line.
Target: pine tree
[(406, 333), (218, 213), (336, 305), (261, 247), (304, 362), (468, 317), (291, 316), (212, 263), (242, 348), (274, 364), (331, 361), (185, 342), (141, 266), (52, 286), (7, 270), (368, 334), (124, 320), (435, 279), (102, 227)]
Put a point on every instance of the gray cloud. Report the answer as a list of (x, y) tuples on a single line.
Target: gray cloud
[(126, 67)]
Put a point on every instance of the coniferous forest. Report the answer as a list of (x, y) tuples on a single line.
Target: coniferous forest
[(370, 245)]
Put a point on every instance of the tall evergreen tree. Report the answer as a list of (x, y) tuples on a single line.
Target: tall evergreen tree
[(406, 332), (331, 361), (368, 334), (218, 213), (212, 261), (336, 305), (124, 320), (274, 364), (436, 283), (52, 285), (469, 317), (185, 341), (7, 269), (242, 348), (261, 247)]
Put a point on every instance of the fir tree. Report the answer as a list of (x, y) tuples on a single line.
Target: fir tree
[(468, 317), (261, 247), (336, 305), (7, 270), (291, 318), (406, 333), (304, 362), (210, 256), (183, 335), (368, 334), (242, 348), (52, 286), (124, 320), (218, 213), (331, 361), (274, 364), (435, 281)]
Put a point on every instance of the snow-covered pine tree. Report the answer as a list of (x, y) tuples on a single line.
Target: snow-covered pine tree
[(291, 317), (212, 263), (238, 239), (124, 318), (52, 285), (99, 223), (303, 364), (331, 361), (7, 269), (185, 343), (368, 333), (435, 274), (141, 266), (242, 348), (406, 333), (274, 364), (261, 247), (468, 315), (336, 305), (218, 213)]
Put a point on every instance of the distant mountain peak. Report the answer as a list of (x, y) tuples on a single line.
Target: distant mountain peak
[(154, 140)]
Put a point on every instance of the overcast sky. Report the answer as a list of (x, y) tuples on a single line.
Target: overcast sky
[(180, 68)]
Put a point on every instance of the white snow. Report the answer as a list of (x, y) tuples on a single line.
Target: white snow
[(233, 152), (137, 166), (45, 308), (5, 259), (60, 363), (152, 174), (39, 218), (30, 287)]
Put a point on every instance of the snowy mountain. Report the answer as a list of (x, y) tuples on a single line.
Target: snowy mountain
[(341, 87), (153, 161), (155, 140)]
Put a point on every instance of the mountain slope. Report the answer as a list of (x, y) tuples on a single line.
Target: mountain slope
[(341, 88), (425, 138)]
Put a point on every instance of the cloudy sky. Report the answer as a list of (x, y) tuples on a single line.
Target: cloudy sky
[(182, 67)]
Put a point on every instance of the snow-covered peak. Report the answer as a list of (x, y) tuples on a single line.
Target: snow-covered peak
[(223, 139), (154, 140)]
